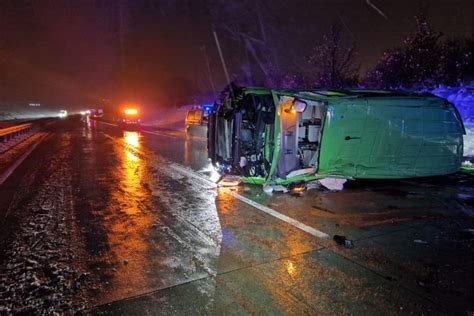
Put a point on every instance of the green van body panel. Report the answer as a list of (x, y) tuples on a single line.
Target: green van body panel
[(388, 138)]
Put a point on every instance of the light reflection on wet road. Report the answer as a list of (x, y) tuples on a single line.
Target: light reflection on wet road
[(158, 233)]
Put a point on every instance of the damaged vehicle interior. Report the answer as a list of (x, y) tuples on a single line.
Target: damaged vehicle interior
[(301, 124), (243, 134)]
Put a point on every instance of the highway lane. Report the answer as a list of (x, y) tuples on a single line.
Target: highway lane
[(151, 239)]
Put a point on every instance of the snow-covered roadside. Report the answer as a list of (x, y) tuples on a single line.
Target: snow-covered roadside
[(4, 146), (40, 272), (469, 141), (463, 98)]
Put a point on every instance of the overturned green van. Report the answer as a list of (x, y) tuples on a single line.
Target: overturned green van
[(282, 136)]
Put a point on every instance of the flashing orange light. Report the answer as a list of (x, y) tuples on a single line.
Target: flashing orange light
[(131, 111)]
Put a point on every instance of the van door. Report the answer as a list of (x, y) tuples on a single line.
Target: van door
[(342, 137)]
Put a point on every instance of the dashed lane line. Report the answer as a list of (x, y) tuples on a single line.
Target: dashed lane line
[(272, 212), (162, 134), (192, 174), (310, 230)]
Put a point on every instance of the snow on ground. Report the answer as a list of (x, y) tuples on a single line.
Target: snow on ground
[(42, 274), (463, 99), (469, 141), (4, 146)]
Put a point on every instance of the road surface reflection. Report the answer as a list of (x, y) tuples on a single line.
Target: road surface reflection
[(130, 223)]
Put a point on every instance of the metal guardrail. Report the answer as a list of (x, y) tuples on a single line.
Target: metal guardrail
[(10, 132)]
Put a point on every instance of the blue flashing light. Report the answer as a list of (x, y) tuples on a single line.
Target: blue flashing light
[(207, 107)]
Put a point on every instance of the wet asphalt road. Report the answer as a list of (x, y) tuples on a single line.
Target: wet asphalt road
[(154, 239)]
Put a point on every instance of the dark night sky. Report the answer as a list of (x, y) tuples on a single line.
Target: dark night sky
[(80, 52)]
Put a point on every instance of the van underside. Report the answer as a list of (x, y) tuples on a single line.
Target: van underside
[(246, 127), (244, 134)]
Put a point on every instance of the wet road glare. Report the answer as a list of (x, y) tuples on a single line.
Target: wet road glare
[(157, 237)]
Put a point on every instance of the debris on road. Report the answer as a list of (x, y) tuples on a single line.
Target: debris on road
[(419, 241), (343, 241), (333, 184), (230, 181), (313, 185), (269, 189), (40, 273)]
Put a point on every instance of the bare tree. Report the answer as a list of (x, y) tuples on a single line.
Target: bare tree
[(332, 63)]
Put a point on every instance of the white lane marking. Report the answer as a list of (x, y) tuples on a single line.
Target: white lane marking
[(18, 162), (263, 208), (162, 134), (272, 212), (192, 174)]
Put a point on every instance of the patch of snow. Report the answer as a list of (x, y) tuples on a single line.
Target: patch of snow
[(40, 273), (469, 141), (463, 99), (6, 145)]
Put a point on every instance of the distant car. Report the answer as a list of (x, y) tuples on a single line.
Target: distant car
[(97, 112), (130, 118), (195, 117), (62, 113)]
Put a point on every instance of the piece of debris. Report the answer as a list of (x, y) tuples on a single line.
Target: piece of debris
[(467, 163), (319, 208), (333, 184), (125, 261), (312, 185), (277, 188), (419, 241), (343, 241), (230, 181)]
